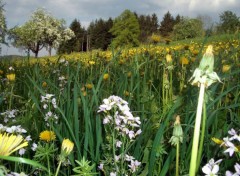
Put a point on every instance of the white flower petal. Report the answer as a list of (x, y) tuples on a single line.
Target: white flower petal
[(206, 170)]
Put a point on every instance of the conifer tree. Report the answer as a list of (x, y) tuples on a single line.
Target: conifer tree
[(77, 43), (229, 22), (99, 35), (166, 26)]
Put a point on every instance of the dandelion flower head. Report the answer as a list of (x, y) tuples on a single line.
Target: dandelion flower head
[(47, 136)]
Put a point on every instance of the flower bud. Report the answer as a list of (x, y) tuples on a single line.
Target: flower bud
[(177, 132)]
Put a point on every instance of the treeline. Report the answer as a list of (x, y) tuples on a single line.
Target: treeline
[(129, 29), (99, 36), (100, 33)]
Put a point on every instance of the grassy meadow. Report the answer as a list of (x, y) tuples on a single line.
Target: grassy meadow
[(63, 95)]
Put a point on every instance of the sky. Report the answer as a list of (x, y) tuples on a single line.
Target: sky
[(17, 12)]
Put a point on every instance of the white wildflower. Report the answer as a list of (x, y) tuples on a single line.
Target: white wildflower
[(211, 168)]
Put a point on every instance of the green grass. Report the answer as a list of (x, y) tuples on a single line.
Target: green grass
[(158, 91)]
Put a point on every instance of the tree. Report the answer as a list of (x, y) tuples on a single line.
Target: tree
[(188, 28), (42, 30), (177, 19), (154, 23), (75, 44), (27, 37), (3, 26), (51, 29), (229, 22), (144, 28), (99, 35), (125, 30), (148, 26), (166, 26)]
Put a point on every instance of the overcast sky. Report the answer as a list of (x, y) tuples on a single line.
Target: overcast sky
[(17, 12)]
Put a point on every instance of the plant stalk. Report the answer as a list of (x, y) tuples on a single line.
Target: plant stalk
[(193, 162), (202, 135), (59, 165), (49, 172), (11, 95), (177, 159)]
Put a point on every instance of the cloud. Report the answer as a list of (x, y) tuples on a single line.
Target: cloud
[(17, 12), (85, 11), (193, 8)]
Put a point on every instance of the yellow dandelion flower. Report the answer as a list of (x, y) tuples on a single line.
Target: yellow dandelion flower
[(44, 84), (121, 62), (126, 93), (226, 68), (84, 93), (67, 146), (167, 50), (89, 86), (195, 52), (91, 62), (106, 76), (47, 136), (11, 77), (184, 61), (10, 144), (169, 58), (193, 59), (217, 141), (129, 74), (238, 148), (155, 38)]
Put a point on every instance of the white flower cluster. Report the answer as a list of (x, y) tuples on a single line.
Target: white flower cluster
[(62, 82), (123, 127), (212, 168), (231, 148), (61, 78), (48, 98), (11, 68), (13, 129), (9, 114), (48, 102), (16, 174), (228, 142), (132, 164), (119, 116)]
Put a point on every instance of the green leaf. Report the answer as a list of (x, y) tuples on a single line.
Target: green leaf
[(24, 160)]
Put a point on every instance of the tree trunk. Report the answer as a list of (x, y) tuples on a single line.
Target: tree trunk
[(49, 50), (36, 49), (36, 54)]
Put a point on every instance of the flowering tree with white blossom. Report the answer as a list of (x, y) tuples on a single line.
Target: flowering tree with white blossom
[(42, 30), (3, 26)]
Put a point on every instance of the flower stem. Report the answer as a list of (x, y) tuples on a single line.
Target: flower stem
[(58, 168), (177, 159), (49, 172), (11, 95), (193, 162), (202, 135)]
